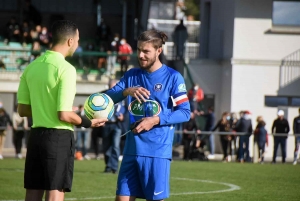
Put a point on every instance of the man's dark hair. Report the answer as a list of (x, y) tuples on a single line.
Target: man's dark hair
[(157, 38), (62, 30), (211, 108)]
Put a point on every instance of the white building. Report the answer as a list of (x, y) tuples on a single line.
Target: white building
[(244, 51)]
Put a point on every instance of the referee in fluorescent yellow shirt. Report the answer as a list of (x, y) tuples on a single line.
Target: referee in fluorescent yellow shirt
[(46, 92)]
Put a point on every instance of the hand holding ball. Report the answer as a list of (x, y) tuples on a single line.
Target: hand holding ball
[(99, 105)]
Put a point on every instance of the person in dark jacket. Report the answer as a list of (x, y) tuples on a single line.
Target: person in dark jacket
[(180, 36), (296, 128), (112, 135), (244, 125), (280, 126), (82, 137), (224, 126), (261, 138), (4, 121), (209, 125), (187, 138), (232, 146)]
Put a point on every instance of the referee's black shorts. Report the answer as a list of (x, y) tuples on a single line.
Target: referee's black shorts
[(50, 159)]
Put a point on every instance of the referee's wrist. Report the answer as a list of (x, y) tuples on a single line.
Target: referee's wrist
[(85, 122)]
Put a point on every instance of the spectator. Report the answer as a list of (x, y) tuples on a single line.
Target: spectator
[(96, 135), (26, 38), (82, 137), (187, 137), (280, 126), (103, 32), (111, 137), (124, 48), (91, 60), (232, 146), (125, 127), (296, 128), (179, 10), (112, 55), (102, 59), (78, 56), (261, 138), (195, 95), (44, 37), (20, 126), (178, 134), (180, 37), (13, 30), (35, 32), (209, 124), (4, 120), (35, 51), (244, 125), (224, 126)]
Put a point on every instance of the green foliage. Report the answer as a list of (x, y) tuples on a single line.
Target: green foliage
[(192, 8), (257, 182)]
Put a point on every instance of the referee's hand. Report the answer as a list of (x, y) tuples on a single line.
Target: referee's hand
[(98, 122)]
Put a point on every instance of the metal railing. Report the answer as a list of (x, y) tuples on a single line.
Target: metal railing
[(290, 68), (168, 26)]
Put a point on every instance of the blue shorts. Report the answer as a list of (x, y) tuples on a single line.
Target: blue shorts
[(144, 177)]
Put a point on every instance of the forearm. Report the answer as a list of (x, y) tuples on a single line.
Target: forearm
[(69, 117), (116, 96), (177, 116)]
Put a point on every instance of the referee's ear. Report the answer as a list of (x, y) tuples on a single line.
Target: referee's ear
[(70, 42)]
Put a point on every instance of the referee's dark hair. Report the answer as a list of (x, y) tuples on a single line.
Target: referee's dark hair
[(62, 30)]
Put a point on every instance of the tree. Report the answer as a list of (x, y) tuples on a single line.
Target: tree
[(192, 8)]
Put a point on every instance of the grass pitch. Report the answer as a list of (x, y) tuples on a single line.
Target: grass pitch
[(189, 181)]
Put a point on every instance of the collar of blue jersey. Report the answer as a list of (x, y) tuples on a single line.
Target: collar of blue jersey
[(155, 72)]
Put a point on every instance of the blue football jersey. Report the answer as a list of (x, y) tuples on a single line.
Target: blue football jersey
[(169, 102)]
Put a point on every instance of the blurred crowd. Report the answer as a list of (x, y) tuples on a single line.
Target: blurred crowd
[(233, 131), (38, 37), (198, 142)]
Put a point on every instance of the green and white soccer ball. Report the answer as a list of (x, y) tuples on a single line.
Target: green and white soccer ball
[(99, 105)]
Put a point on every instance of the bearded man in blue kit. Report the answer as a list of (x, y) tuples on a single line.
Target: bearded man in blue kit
[(145, 168)]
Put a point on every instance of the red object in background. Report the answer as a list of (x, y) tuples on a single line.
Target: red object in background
[(199, 95), (125, 49)]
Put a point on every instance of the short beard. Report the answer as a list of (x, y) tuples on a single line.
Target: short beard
[(149, 66), (71, 52)]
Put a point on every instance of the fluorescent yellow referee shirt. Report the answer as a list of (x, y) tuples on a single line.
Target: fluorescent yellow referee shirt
[(48, 84)]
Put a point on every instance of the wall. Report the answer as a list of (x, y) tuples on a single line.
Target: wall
[(208, 74), (253, 18), (250, 84), (220, 36)]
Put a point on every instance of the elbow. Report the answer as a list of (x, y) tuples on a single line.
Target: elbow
[(187, 115), (62, 116)]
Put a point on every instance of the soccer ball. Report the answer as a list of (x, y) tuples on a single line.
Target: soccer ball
[(99, 105)]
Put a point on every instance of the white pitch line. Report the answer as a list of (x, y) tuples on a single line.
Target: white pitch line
[(232, 187)]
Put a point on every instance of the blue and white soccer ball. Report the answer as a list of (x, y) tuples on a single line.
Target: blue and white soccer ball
[(99, 105)]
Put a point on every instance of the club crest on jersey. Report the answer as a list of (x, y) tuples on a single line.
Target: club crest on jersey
[(181, 88), (136, 109), (158, 87)]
